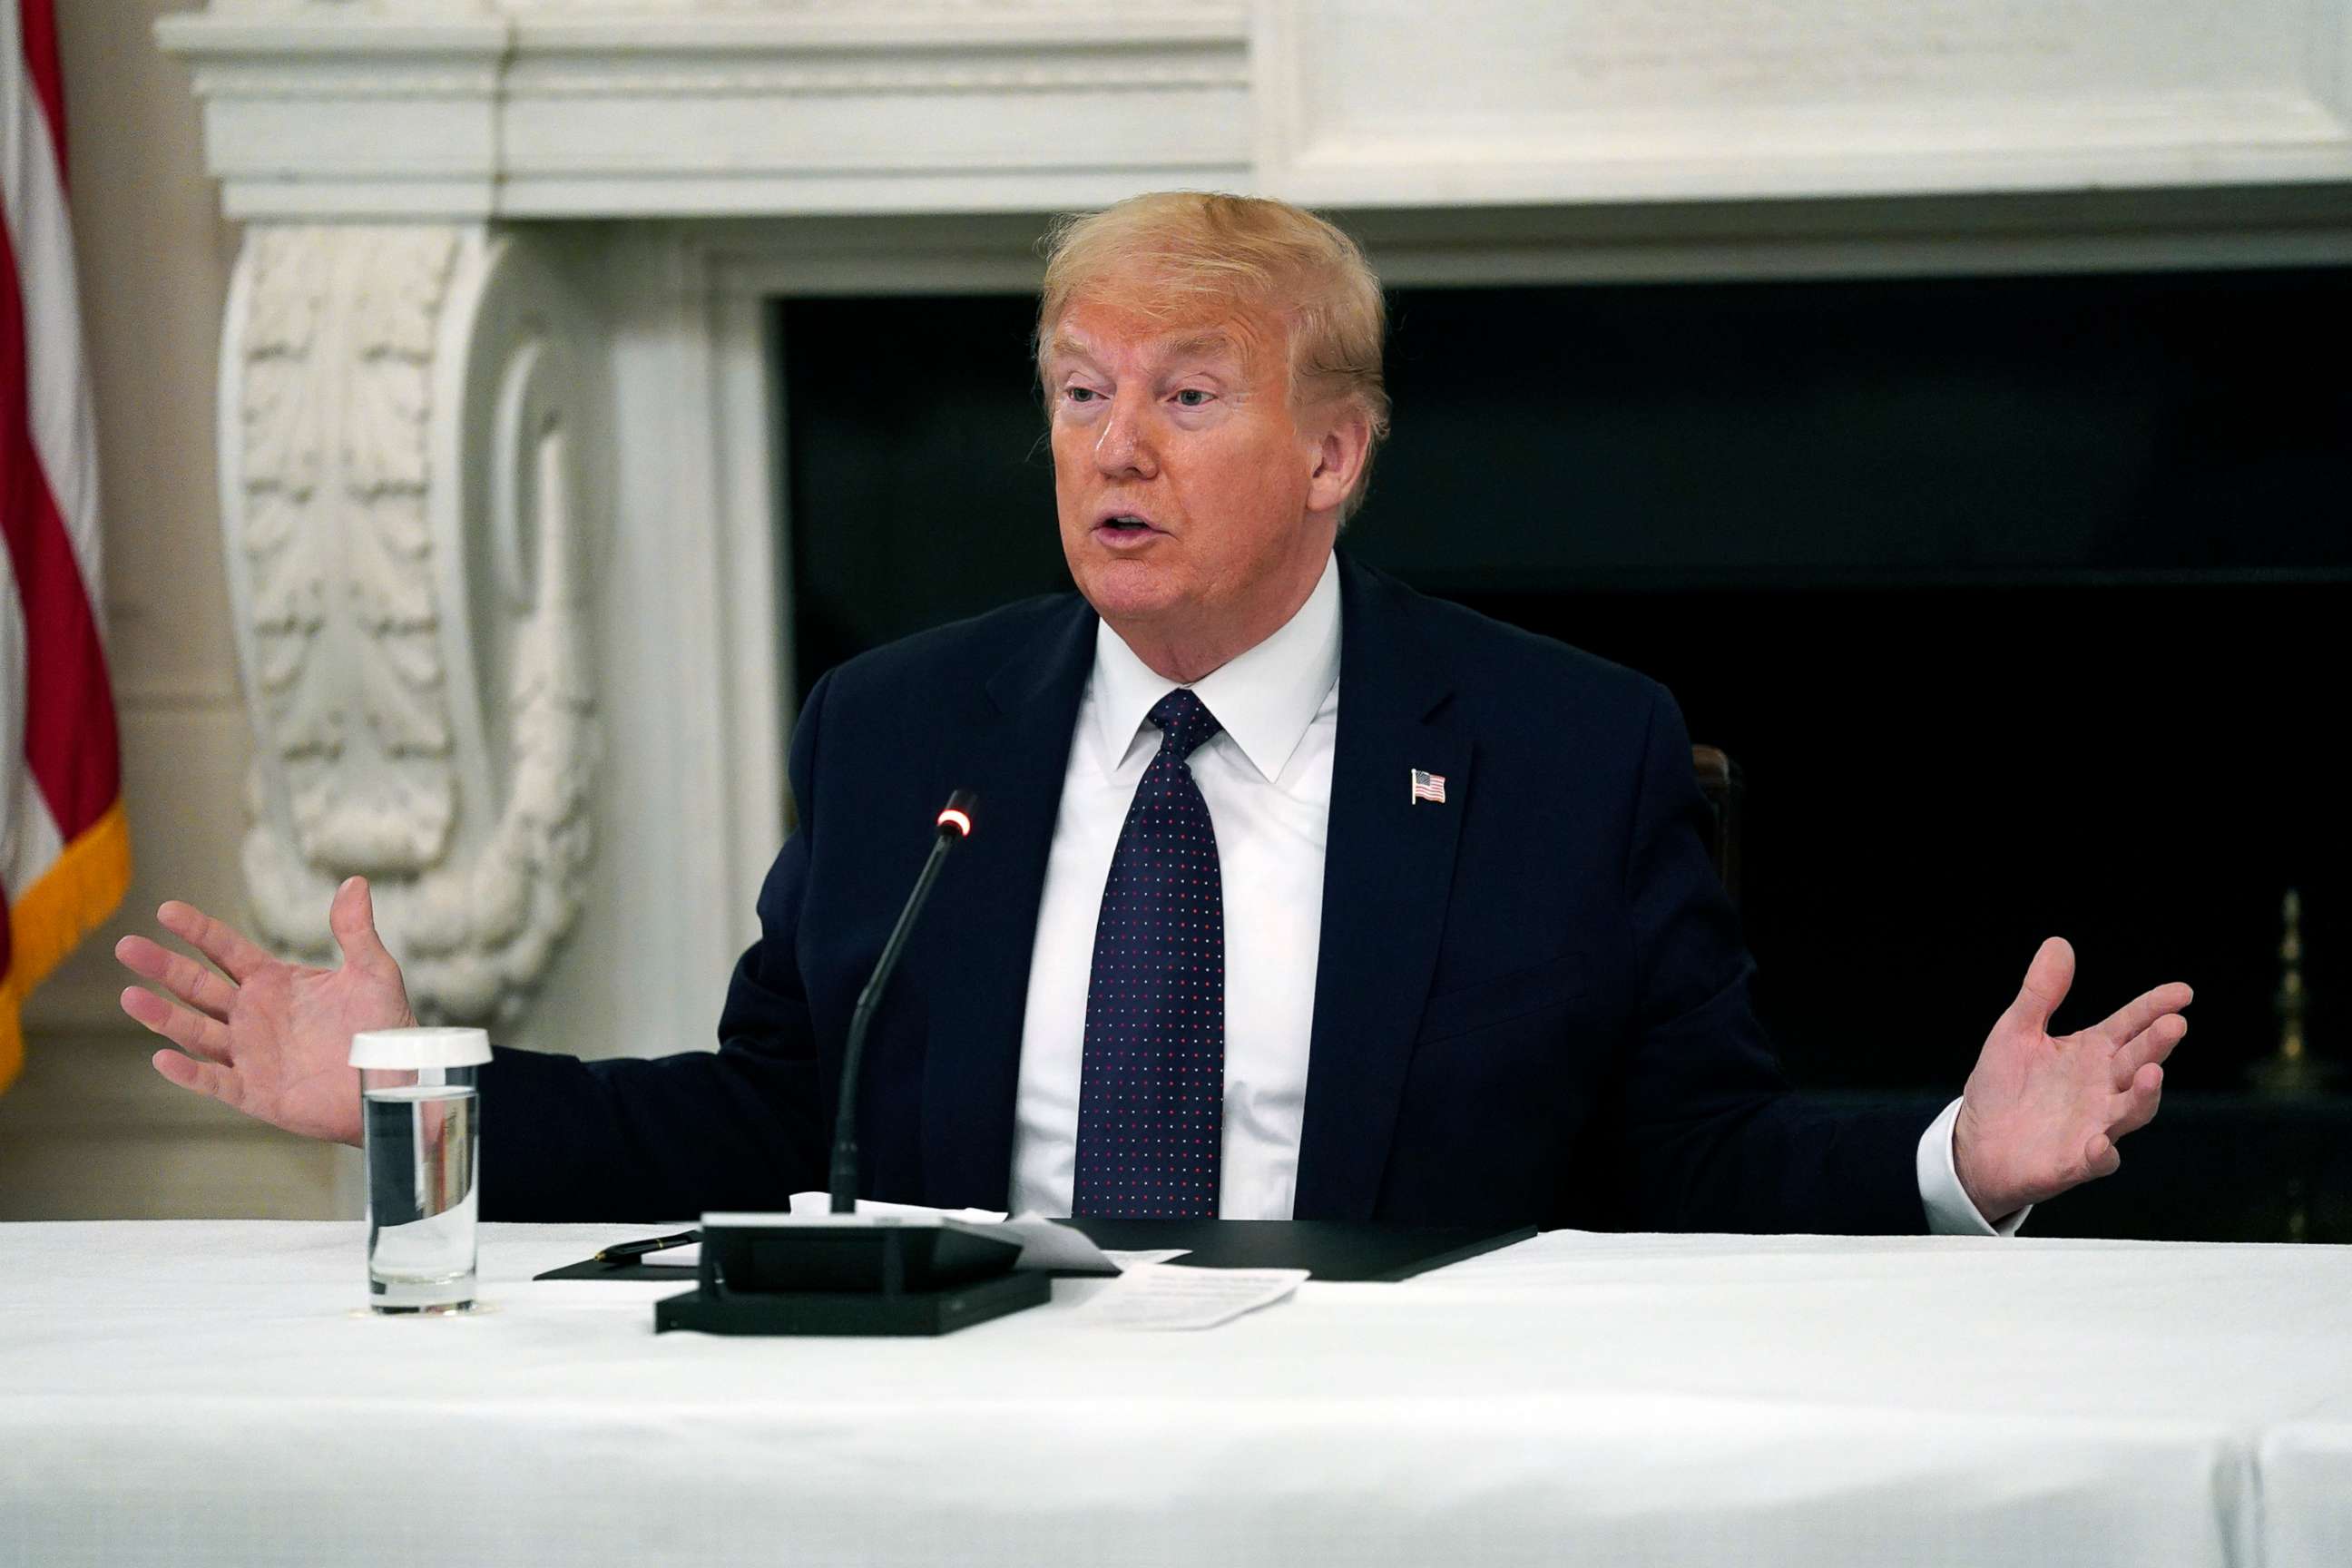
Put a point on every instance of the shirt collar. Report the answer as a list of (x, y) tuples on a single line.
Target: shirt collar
[(1265, 698)]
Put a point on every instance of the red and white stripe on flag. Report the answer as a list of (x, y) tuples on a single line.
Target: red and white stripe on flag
[(65, 848)]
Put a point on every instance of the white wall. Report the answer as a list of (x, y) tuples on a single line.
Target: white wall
[(90, 1131)]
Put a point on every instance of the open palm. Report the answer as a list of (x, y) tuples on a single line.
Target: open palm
[(2042, 1113), (270, 1039)]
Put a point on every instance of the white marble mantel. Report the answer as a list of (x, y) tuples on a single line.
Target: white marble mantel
[(474, 108), (497, 405)]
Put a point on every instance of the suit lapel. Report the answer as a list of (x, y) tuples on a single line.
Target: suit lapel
[(1015, 759), (1387, 871)]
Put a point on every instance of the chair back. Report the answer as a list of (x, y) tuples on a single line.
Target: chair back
[(1719, 780)]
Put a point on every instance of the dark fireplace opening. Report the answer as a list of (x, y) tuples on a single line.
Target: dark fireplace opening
[(2014, 598)]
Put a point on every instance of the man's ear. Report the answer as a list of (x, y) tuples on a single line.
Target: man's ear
[(1339, 452)]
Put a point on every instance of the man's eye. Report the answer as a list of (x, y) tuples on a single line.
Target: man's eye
[(1193, 397), (1079, 394)]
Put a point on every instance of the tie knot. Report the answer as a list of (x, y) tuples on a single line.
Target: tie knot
[(1185, 721)]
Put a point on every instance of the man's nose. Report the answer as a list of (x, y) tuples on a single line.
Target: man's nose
[(1125, 447)]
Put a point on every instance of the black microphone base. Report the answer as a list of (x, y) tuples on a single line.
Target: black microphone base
[(939, 1310)]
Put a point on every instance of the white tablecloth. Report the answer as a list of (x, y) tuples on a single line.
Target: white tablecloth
[(210, 1393)]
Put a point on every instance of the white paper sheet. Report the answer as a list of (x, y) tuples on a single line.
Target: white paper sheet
[(1051, 1246), (821, 1203), (1126, 1260), (1045, 1244), (1160, 1296), (690, 1257)]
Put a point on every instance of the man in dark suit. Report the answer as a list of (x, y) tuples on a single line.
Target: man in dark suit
[(1292, 893)]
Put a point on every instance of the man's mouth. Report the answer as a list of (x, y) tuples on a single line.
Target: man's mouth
[(1125, 531)]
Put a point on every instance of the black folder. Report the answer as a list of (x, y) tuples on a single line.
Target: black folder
[(1328, 1250)]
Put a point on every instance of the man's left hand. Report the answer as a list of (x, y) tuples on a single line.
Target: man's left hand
[(2041, 1114)]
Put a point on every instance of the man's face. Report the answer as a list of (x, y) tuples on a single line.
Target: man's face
[(1182, 479)]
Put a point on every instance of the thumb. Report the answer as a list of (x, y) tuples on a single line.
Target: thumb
[(353, 919), (2047, 980)]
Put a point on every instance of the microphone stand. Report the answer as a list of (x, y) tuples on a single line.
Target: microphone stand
[(840, 1272), (955, 825)]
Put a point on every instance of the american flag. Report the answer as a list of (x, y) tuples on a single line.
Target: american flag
[(65, 850), (1428, 786)]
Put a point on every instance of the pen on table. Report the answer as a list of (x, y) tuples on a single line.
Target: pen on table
[(622, 1252)]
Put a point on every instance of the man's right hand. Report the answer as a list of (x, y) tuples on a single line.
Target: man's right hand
[(272, 1038)]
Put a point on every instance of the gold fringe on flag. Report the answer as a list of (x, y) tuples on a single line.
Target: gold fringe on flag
[(79, 891)]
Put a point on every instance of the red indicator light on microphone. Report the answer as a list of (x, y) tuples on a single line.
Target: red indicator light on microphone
[(956, 817)]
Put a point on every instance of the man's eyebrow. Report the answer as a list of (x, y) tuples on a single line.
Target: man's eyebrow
[(1064, 346), (1215, 344)]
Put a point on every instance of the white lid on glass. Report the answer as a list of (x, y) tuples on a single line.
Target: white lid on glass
[(398, 1048)]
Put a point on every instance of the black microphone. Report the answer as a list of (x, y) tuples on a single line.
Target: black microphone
[(954, 826), (847, 1273)]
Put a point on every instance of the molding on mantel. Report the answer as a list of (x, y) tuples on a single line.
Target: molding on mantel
[(560, 108), (1667, 102), (405, 413), (552, 111)]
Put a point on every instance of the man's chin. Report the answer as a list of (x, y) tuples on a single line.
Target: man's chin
[(1129, 590)]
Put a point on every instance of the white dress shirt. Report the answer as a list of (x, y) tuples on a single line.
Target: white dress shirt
[(1266, 777)]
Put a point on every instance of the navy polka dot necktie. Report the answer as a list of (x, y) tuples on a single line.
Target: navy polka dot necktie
[(1151, 1092)]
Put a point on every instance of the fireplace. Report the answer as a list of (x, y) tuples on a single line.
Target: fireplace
[(2008, 592)]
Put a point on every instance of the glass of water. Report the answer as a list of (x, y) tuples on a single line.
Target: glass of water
[(419, 1121)]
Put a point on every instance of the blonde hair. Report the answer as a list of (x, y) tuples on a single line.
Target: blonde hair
[(1187, 255)]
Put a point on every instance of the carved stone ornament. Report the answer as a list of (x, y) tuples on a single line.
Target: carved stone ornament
[(401, 412)]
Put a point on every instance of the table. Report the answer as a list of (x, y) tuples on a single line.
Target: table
[(189, 1393)]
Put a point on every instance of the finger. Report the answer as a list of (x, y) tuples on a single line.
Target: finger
[(2099, 1156), (2047, 980), (213, 1082), (192, 1031), (2153, 1044), (2141, 1011), (2139, 1106), (352, 917), (185, 978), (221, 943)]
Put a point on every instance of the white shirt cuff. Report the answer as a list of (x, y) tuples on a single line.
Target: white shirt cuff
[(1949, 1210)]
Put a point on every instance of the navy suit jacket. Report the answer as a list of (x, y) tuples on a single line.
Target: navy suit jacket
[(1531, 1005)]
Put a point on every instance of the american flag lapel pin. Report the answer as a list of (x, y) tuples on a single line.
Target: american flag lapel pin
[(1428, 786)]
